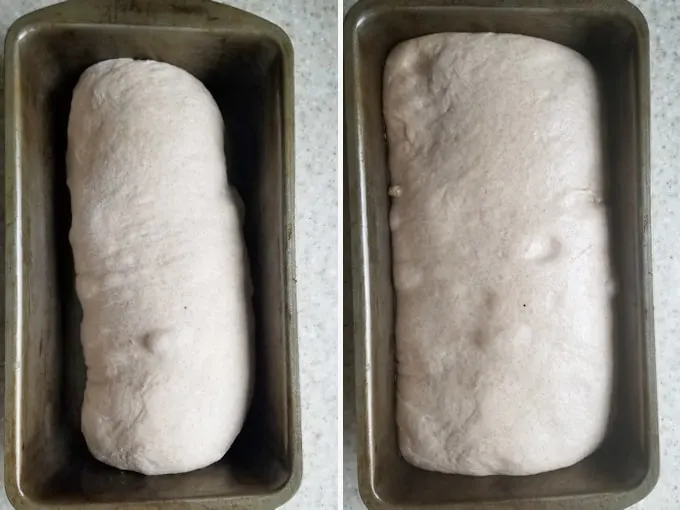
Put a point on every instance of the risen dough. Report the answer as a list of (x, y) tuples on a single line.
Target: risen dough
[(500, 252), (161, 269)]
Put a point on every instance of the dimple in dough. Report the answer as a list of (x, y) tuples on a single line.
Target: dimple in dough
[(161, 269), (500, 254)]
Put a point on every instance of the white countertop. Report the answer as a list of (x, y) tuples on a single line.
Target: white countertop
[(312, 26), (663, 17)]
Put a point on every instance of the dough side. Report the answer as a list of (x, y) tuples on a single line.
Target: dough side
[(161, 270), (500, 254)]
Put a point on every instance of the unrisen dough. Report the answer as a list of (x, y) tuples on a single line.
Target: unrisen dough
[(161, 269), (500, 253)]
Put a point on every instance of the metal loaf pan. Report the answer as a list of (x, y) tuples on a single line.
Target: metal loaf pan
[(613, 35), (247, 64)]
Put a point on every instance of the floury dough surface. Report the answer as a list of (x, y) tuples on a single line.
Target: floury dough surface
[(161, 269), (500, 254)]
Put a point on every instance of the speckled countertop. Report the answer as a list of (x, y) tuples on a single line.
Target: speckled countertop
[(663, 17), (312, 26)]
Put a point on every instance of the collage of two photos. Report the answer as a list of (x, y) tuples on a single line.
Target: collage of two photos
[(369, 254)]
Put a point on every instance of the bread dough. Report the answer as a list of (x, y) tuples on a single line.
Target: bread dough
[(161, 269), (500, 254)]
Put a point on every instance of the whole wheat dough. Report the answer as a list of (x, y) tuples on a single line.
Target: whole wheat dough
[(161, 269), (500, 254)]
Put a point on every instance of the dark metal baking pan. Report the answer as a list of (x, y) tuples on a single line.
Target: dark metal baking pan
[(247, 64), (613, 35)]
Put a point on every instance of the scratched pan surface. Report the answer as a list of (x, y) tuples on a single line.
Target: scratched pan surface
[(613, 35), (246, 63)]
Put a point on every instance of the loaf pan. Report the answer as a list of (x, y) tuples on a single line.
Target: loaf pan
[(613, 35), (247, 64)]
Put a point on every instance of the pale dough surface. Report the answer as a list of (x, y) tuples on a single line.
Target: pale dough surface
[(500, 254), (161, 269)]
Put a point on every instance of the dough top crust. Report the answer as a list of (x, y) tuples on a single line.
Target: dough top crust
[(161, 269), (500, 253)]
